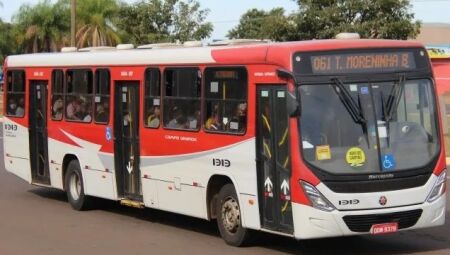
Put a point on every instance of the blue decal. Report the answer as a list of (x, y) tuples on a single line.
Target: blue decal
[(388, 162), (364, 90), (108, 134)]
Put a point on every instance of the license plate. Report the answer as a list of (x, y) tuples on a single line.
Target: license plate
[(384, 228)]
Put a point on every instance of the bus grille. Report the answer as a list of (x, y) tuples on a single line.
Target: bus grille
[(363, 223), (377, 185)]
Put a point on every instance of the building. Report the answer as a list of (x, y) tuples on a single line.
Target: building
[(434, 33)]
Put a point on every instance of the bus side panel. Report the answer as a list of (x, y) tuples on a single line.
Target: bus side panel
[(56, 157), (16, 149), (180, 181), (97, 167)]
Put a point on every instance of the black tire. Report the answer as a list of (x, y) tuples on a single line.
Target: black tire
[(80, 202), (234, 234)]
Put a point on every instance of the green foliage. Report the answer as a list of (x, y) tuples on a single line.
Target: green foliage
[(40, 28), (6, 40), (151, 21), (387, 19), (259, 24), (324, 19), (95, 23)]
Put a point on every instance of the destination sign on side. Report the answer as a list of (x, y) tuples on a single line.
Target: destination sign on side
[(363, 62)]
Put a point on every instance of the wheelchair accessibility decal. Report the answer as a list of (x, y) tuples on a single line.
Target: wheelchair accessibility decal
[(108, 134), (388, 162)]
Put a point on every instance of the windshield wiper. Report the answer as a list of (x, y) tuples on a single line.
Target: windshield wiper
[(353, 108), (393, 99)]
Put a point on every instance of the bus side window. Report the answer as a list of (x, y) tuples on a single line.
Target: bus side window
[(152, 98), (182, 98), (226, 100), (102, 95), (79, 93), (15, 94), (57, 95)]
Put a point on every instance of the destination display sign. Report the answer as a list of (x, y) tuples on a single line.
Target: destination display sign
[(362, 62)]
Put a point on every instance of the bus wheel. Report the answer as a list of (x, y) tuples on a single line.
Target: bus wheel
[(229, 217), (74, 187)]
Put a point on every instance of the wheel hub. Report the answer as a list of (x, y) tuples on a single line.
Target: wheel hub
[(231, 217), (75, 186)]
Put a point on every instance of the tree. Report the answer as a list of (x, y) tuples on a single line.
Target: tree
[(188, 22), (40, 28), (260, 24), (151, 21), (6, 40), (388, 19), (96, 19)]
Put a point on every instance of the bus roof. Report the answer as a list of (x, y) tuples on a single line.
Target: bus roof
[(270, 53)]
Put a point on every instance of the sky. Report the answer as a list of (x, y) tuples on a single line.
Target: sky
[(225, 14)]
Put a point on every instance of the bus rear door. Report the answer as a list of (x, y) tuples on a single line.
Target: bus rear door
[(273, 161), (38, 132), (126, 131)]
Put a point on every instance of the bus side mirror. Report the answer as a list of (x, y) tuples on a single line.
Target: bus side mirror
[(293, 106), (285, 74)]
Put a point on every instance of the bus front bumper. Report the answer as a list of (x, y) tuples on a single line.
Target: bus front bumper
[(312, 223)]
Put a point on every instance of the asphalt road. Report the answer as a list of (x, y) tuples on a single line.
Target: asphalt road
[(36, 221)]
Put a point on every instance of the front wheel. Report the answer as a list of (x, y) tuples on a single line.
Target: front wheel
[(229, 217), (75, 188)]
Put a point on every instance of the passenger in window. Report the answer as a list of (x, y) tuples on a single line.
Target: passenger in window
[(239, 119), (193, 120), (73, 110), (20, 111), (100, 114), (57, 109), (153, 119), (85, 112), (12, 107), (126, 119), (214, 122), (177, 118)]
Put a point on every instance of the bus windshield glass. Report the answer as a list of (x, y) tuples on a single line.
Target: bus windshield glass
[(394, 129)]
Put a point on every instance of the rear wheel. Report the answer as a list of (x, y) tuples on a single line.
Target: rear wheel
[(229, 217), (75, 188)]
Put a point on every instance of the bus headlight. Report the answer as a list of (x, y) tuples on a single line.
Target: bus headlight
[(317, 200), (438, 188)]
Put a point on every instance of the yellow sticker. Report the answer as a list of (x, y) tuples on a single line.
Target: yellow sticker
[(355, 157), (323, 152)]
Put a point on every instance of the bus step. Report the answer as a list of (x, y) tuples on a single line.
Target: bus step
[(132, 203)]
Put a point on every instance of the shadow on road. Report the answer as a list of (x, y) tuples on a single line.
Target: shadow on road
[(410, 242)]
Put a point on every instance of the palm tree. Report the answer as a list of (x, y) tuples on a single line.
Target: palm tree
[(42, 27), (96, 23)]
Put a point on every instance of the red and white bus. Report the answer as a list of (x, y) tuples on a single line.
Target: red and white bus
[(304, 139)]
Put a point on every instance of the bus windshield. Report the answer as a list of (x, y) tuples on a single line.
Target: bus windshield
[(395, 128)]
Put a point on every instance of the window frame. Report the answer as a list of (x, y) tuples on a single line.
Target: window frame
[(62, 94), (205, 99), (199, 98), (9, 92), (152, 97), (66, 94), (95, 93)]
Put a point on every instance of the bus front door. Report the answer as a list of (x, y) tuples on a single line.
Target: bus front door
[(38, 133), (126, 147), (273, 161)]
